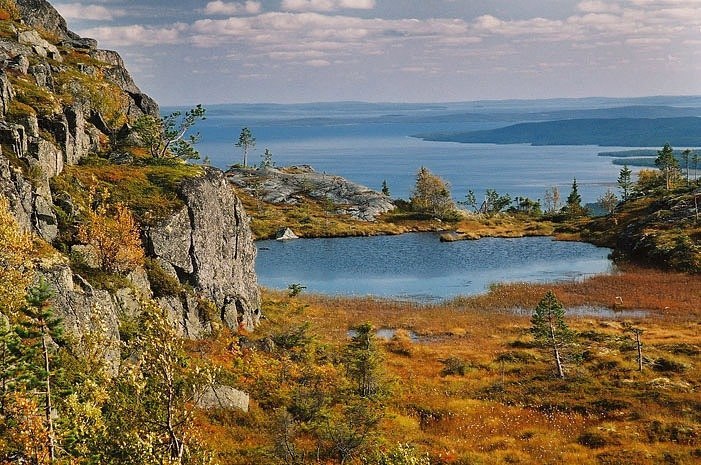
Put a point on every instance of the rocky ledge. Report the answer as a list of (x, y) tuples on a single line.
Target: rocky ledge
[(291, 185)]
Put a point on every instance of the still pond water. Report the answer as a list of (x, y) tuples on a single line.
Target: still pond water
[(419, 267)]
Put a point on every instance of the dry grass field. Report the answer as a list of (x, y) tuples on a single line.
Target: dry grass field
[(468, 385)]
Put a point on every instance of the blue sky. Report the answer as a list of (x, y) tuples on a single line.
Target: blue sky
[(187, 52)]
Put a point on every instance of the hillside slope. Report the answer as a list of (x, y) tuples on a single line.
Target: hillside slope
[(66, 110)]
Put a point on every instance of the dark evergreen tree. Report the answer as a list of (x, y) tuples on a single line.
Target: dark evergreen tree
[(573, 206), (625, 182), (686, 158), (385, 188), (362, 361), (13, 366)]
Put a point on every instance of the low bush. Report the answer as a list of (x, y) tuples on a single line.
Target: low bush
[(454, 366), (162, 283), (667, 364), (592, 440)]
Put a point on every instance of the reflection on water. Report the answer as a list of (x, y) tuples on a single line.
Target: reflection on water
[(417, 267)]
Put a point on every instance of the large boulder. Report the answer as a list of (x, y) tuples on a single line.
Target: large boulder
[(210, 246)]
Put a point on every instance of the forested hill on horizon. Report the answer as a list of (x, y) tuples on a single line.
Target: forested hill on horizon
[(631, 122), (622, 132)]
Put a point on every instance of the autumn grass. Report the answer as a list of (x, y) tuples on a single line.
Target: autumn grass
[(150, 191), (508, 406)]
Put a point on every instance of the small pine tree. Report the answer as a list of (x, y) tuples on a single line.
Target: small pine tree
[(267, 159), (13, 367), (165, 137), (668, 165), (362, 360), (637, 332), (385, 188), (625, 182), (549, 329), (245, 142), (470, 200), (573, 205)]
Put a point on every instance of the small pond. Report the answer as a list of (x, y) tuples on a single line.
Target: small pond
[(418, 267)]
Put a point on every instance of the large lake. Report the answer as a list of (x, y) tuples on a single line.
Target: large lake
[(369, 143), (421, 268)]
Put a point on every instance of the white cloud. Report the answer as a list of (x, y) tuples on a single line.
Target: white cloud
[(647, 41), (218, 7), (326, 5), (318, 63), (138, 35), (82, 11), (598, 6)]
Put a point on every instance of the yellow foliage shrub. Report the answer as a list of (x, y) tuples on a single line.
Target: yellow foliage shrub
[(15, 260), (114, 237)]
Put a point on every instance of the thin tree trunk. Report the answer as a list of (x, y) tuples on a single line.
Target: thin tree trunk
[(556, 352), (49, 421), (640, 351)]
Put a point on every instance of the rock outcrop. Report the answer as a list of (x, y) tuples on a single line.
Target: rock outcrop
[(40, 14), (290, 185), (662, 233), (207, 244)]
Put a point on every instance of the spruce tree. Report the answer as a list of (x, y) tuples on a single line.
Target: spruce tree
[(549, 329), (385, 188), (625, 183), (574, 201), (13, 368), (362, 360)]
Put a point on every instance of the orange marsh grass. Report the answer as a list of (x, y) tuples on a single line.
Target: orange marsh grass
[(508, 407)]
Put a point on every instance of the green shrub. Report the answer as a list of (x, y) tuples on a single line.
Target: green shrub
[(678, 433), (163, 284), (454, 366), (667, 364)]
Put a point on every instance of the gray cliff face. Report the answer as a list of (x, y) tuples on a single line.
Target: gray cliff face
[(290, 185), (39, 14), (209, 244)]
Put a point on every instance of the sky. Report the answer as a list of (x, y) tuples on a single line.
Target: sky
[(183, 52)]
